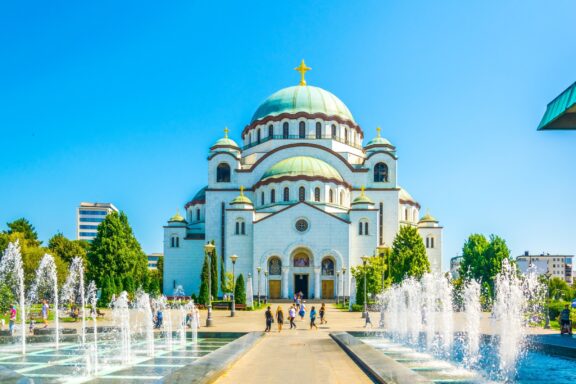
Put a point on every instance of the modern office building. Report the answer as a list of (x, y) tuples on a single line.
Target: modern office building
[(89, 216), (153, 260), (555, 265)]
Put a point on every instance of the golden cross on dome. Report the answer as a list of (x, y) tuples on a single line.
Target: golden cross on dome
[(226, 132), (241, 190), (362, 190), (378, 131), (302, 68)]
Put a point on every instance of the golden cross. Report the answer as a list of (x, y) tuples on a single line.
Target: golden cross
[(302, 68), (362, 190), (378, 131), (241, 190), (226, 132)]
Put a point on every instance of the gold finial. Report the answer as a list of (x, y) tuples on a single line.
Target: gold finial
[(226, 132), (241, 190), (362, 190), (302, 68), (378, 131)]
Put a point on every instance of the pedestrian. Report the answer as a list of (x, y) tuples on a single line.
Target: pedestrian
[(302, 311), (322, 313), (280, 318), (12, 319), (269, 319), (32, 324), (292, 317), (45, 310), (313, 318), (197, 315), (368, 321), (159, 319)]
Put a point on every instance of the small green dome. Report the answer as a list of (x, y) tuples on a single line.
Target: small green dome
[(378, 140), (241, 199), (302, 166), (225, 141), (362, 199), (302, 98), (177, 218), (428, 218)]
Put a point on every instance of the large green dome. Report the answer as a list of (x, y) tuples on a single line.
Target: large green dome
[(302, 98), (302, 166)]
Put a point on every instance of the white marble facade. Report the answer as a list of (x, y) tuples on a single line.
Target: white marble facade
[(302, 198)]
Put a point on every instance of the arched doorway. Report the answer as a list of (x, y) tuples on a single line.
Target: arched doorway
[(327, 276), (302, 271), (275, 277)]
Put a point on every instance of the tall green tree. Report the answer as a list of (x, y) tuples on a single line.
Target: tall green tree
[(374, 271), (240, 290), (160, 269), (408, 257), (24, 227), (473, 253), (558, 289), (214, 268), (68, 249), (116, 252), (204, 294)]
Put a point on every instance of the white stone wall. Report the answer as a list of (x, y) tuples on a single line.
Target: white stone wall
[(434, 254)]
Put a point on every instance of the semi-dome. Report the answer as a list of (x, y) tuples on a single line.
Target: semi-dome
[(177, 218), (302, 166), (378, 141), (303, 98), (225, 141)]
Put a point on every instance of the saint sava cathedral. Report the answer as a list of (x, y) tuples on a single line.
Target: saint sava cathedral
[(300, 200)]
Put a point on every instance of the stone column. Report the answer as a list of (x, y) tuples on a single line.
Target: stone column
[(317, 293), (285, 272)]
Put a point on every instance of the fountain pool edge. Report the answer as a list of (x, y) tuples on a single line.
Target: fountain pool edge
[(379, 367)]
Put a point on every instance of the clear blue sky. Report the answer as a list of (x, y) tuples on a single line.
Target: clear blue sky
[(119, 101)]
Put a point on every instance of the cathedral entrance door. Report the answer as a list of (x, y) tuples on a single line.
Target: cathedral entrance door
[(274, 286), (301, 284), (327, 289)]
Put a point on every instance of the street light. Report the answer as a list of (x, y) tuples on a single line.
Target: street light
[(233, 310), (547, 306), (364, 261), (384, 251), (337, 287), (344, 285), (208, 249), (259, 269), (266, 287)]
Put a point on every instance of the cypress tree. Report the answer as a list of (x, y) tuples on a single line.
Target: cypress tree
[(203, 296), (119, 285), (105, 292), (214, 277), (408, 256), (240, 290)]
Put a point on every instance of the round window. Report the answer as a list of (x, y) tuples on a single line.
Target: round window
[(301, 225)]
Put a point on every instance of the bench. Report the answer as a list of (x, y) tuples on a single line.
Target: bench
[(221, 305), (240, 306), (36, 316)]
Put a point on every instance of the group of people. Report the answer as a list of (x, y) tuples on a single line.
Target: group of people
[(299, 307)]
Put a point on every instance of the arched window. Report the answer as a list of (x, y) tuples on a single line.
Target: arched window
[(328, 267), (346, 135), (274, 266), (301, 194), (331, 196), (262, 198), (175, 241), (273, 196), (302, 130), (431, 242), (286, 194), (366, 229), (427, 242), (301, 260), (197, 214), (285, 130), (270, 131), (258, 136), (318, 130), (240, 227), (341, 197), (380, 173), (223, 173), (360, 228), (317, 194), (405, 214), (243, 228), (333, 131)]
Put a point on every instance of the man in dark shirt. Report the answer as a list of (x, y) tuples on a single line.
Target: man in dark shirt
[(269, 318)]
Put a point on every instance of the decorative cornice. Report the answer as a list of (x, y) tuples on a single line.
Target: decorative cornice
[(300, 178), (195, 236), (409, 202), (306, 115), (194, 202), (225, 146), (377, 152), (308, 145), (305, 203), (211, 156), (376, 189)]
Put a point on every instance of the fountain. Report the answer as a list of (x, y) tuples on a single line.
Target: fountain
[(142, 301), (92, 296), (121, 314), (73, 290), (472, 314), (194, 322), (12, 272)]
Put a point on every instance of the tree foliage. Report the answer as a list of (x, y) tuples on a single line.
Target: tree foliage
[(26, 229), (68, 249), (214, 268), (6, 297), (374, 270), (558, 289), (408, 256), (228, 287), (204, 295), (115, 252), (160, 269), (240, 290)]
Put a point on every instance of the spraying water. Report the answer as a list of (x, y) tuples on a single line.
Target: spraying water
[(73, 290), (46, 280), (93, 300), (121, 314), (472, 314), (144, 306), (12, 272)]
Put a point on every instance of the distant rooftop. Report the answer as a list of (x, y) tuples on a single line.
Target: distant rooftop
[(98, 205), (561, 112)]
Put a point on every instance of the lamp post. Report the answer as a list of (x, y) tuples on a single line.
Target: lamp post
[(259, 269), (337, 287), (233, 309), (266, 287), (547, 306), (344, 285), (208, 249), (384, 251), (364, 261)]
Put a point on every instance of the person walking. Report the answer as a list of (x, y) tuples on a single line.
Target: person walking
[(269, 319), (280, 318), (322, 313), (313, 318), (368, 321), (292, 317), (302, 311), (45, 310), (12, 319)]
